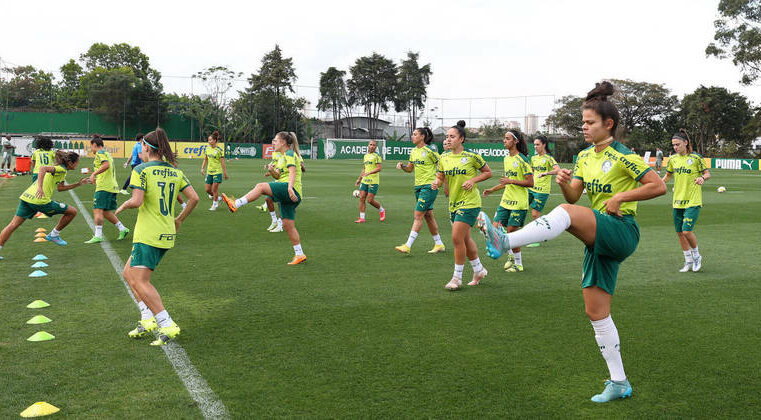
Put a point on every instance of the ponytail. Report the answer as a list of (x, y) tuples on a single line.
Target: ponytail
[(521, 145), (215, 135), (682, 135), (158, 143), (66, 158), (545, 142), (291, 140), (427, 134)]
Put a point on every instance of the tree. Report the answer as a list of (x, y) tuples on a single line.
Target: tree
[(218, 80), (70, 94), (640, 103), (715, 116), (738, 35), (566, 117), (333, 95), (411, 88), (493, 130), (27, 87), (372, 85), (109, 92)]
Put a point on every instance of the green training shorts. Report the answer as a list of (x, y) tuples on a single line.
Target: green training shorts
[(425, 197), (28, 210), (146, 256), (214, 179), (615, 239), (465, 215), (370, 188), (280, 195), (104, 200), (507, 217), (537, 201), (685, 219)]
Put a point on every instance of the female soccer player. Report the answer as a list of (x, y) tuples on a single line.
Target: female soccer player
[(215, 168), (42, 155), (544, 166), (37, 198), (423, 160), (462, 170), (689, 172), (518, 178), (273, 169), (286, 191), (368, 182), (133, 161), (104, 203), (154, 185), (610, 173)]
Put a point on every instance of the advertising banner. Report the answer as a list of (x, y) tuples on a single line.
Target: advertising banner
[(114, 147), (243, 151), (187, 150), (400, 150), (742, 164)]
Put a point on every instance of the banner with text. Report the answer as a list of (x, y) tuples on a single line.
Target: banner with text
[(400, 150), (742, 164)]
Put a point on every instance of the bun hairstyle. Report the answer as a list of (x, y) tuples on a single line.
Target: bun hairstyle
[(215, 135), (427, 134), (291, 140), (45, 143), (460, 127), (682, 135), (597, 101), (521, 145), (158, 143), (96, 140), (66, 158)]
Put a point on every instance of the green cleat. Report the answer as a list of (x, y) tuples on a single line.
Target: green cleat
[(123, 234), (166, 334), (515, 268), (510, 261), (94, 240), (613, 391), (144, 326)]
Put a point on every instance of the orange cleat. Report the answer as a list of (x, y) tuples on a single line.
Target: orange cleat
[(360, 220), (230, 201), (298, 259)]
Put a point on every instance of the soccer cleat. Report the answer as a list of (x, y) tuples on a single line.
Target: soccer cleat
[(510, 261), (1, 258), (404, 249), (454, 284), (230, 201), (360, 220), (263, 207), (211, 197), (273, 225), (614, 390), (124, 192), (687, 267), (213, 206), (94, 240), (298, 259), (122, 234), (437, 248), (496, 240), (383, 215), (56, 240), (515, 268), (144, 326), (166, 334), (697, 263), (477, 277), (278, 228)]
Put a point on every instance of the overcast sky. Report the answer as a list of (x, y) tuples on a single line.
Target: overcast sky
[(477, 49)]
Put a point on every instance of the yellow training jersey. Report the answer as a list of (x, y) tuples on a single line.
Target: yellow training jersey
[(106, 180), (459, 168), (425, 160), (290, 158), (615, 169), (155, 219), (214, 156), (42, 158), (48, 185), (685, 170), (514, 196), (370, 160), (541, 164)]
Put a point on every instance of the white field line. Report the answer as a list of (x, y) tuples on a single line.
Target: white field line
[(211, 406)]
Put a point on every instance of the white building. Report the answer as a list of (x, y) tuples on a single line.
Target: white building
[(531, 122)]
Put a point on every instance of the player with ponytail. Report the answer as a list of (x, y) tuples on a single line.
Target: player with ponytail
[(214, 168)]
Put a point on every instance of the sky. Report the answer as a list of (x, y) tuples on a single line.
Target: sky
[(528, 53)]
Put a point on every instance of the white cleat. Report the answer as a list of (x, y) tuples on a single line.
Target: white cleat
[(454, 284), (697, 263), (214, 206), (687, 267), (278, 228), (272, 225), (477, 277)]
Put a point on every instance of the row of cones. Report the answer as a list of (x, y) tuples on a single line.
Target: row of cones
[(39, 236)]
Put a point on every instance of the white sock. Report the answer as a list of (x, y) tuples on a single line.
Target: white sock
[(606, 335), (99, 231), (297, 250), (688, 256), (163, 319), (55, 232), (477, 266), (145, 313), (184, 205), (437, 240), (518, 258), (273, 215), (1, 247), (120, 226), (695, 253), (542, 229), (381, 209), (361, 215), (280, 222), (411, 239), (458, 270), (240, 202)]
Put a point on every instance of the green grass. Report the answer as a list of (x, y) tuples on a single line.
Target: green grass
[(362, 331)]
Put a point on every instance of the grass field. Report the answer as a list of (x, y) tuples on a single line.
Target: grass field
[(362, 331)]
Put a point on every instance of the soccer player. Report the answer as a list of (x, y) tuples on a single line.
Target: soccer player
[(154, 183), (37, 198), (273, 169), (368, 182), (286, 191), (689, 172), (658, 159), (518, 178), (423, 160), (612, 175), (462, 170), (42, 155), (215, 168), (544, 166), (104, 202), (6, 164), (133, 161)]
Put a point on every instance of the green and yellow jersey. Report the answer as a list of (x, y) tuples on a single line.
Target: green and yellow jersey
[(48, 185), (514, 196), (685, 170), (43, 158), (214, 157), (155, 219), (425, 160), (106, 180), (459, 168), (615, 169), (289, 158), (370, 160), (541, 164)]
